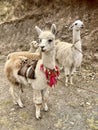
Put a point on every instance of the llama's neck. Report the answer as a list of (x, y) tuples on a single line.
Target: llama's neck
[(31, 49), (77, 39), (48, 59)]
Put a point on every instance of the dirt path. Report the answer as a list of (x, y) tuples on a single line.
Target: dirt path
[(70, 108)]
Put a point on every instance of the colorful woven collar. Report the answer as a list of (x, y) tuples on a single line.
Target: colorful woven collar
[(51, 74)]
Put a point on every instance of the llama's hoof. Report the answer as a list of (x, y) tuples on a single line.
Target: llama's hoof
[(66, 85), (71, 83), (46, 108), (38, 116), (21, 105), (15, 103), (17, 106)]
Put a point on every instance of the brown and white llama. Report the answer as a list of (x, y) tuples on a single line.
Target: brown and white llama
[(33, 47), (45, 71)]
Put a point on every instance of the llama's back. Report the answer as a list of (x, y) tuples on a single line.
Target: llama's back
[(32, 56), (64, 53)]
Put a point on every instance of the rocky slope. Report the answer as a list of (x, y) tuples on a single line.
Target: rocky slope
[(18, 19)]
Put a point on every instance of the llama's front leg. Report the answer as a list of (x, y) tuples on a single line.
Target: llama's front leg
[(38, 107), (66, 80), (45, 95), (71, 76), (37, 98), (71, 79)]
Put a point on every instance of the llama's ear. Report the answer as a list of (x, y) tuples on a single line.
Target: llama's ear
[(38, 30), (53, 29)]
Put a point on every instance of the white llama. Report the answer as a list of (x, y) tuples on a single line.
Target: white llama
[(45, 71), (70, 55)]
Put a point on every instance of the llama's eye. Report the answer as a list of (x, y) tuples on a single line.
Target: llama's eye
[(50, 40), (75, 23)]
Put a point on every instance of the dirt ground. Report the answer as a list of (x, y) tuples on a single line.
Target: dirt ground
[(70, 108)]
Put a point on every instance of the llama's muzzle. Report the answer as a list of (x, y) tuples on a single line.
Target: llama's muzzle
[(82, 26), (42, 48)]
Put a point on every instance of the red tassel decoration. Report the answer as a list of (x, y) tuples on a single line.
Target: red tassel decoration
[(51, 75)]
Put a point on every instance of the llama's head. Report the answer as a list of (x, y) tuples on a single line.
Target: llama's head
[(46, 38), (34, 44), (77, 25)]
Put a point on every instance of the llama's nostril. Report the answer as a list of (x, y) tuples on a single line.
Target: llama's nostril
[(82, 26), (42, 47)]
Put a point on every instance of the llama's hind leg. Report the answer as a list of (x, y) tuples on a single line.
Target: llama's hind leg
[(15, 91), (67, 76), (12, 94), (37, 99), (45, 95), (71, 76)]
